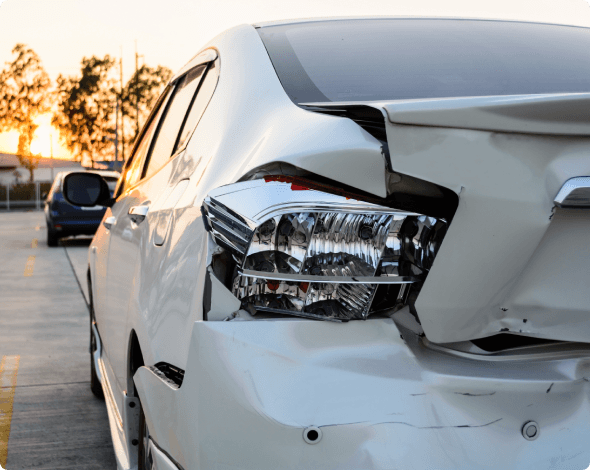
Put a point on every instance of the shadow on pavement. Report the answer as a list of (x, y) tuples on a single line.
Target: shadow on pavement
[(78, 241)]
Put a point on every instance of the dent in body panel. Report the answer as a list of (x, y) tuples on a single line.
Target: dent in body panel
[(250, 130), (507, 183), (379, 401), (554, 284)]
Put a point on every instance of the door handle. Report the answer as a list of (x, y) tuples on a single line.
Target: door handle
[(138, 213), (109, 222)]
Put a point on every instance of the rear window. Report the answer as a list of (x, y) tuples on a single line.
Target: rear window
[(111, 182), (389, 59)]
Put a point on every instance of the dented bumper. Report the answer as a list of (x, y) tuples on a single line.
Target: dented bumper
[(380, 400)]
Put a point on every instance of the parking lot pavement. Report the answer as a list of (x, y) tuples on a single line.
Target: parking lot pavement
[(77, 252), (46, 408)]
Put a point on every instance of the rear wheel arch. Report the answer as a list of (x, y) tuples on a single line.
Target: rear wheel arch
[(135, 361), (90, 294)]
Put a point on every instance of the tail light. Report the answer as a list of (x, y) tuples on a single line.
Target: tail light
[(310, 250)]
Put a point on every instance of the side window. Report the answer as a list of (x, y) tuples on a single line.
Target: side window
[(133, 171), (169, 128), (200, 103), (56, 186)]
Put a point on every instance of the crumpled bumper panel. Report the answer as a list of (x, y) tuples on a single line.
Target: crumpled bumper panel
[(251, 388)]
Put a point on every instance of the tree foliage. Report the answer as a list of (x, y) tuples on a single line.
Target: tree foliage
[(86, 106), (24, 86), (85, 109), (142, 91)]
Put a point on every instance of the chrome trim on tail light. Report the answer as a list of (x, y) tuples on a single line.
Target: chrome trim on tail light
[(228, 230), (384, 279)]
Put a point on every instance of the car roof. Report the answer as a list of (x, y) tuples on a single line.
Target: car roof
[(266, 24), (108, 173)]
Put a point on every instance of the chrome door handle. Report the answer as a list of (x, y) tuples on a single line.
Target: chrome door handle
[(109, 222), (138, 213)]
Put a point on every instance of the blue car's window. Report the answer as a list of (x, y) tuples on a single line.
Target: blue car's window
[(111, 183), (388, 59)]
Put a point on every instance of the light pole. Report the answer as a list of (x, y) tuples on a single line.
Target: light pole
[(137, 56), (51, 146), (117, 131)]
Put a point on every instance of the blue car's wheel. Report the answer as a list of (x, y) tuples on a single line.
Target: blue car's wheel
[(52, 237)]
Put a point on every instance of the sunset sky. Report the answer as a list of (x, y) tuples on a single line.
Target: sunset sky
[(169, 33)]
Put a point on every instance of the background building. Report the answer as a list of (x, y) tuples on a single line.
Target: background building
[(11, 171)]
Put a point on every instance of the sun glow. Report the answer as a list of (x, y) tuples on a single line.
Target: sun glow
[(42, 140), (45, 133)]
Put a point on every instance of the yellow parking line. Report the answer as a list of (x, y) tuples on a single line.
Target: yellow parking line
[(30, 266), (8, 372), (34, 243)]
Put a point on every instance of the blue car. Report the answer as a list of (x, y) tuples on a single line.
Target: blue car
[(64, 219)]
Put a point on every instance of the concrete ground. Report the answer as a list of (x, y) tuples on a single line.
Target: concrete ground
[(55, 421)]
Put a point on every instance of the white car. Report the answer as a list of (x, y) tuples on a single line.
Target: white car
[(353, 244)]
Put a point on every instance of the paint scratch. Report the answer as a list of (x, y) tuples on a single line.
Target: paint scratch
[(417, 427), (467, 394)]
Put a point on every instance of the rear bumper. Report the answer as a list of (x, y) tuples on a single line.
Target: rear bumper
[(252, 388), (67, 226)]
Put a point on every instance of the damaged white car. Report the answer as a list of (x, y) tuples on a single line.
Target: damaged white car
[(353, 244)]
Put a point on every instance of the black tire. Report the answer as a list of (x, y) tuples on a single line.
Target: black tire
[(95, 385), (52, 238), (145, 460)]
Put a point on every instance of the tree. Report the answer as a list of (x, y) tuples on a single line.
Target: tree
[(141, 93), (85, 109), (86, 105), (24, 86)]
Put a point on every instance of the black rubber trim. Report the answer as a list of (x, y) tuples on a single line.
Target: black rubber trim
[(172, 373)]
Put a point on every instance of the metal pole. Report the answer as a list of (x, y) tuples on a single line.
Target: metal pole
[(51, 136), (37, 195), (122, 109), (136, 94), (7, 196), (117, 131)]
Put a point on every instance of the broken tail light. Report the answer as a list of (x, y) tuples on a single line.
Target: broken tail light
[(310, 250)]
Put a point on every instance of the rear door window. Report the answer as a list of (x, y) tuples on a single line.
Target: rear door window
[(200, 103), (133, 171), (168, 132)]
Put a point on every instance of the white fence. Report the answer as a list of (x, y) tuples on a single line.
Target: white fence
[(28, 196)]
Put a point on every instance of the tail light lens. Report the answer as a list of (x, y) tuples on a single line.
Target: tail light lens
[(309, 250)]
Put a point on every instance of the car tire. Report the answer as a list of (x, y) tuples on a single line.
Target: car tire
[(145, 459), (95, 385), (52, 238)]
